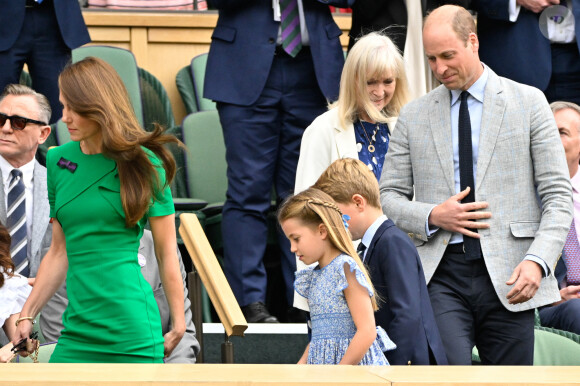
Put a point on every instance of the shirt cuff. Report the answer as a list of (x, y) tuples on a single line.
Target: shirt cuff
[(542, 263), (430, 231), (514, 10)]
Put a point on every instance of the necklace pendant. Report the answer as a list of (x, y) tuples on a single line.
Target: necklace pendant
[(371, 148)]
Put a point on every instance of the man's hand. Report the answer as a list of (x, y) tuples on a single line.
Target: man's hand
[(568, 293), (537, 6), (454, 216), (527, 277)]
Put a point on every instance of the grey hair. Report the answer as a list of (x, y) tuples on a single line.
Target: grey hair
[(561, 105), (44, 110)]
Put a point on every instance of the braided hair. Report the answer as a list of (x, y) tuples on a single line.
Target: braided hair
[(6, 264), (313, 207)]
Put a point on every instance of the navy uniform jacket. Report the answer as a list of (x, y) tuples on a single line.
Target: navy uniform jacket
[(244, 42), (68, 13), (406, 313)]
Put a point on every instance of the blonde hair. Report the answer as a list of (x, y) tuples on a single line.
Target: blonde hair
[(372, 56), (314, 207), (346, 177), (93, 89)]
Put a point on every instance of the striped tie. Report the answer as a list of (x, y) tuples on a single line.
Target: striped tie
[(16, 221), (291, 37)]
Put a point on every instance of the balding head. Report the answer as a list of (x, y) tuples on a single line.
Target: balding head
[(451, 46)]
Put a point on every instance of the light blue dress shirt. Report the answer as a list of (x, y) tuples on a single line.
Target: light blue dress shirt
[(475, 105), (370, 233)]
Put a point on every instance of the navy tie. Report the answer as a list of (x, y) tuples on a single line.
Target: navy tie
[(471, 245), (16, 221), (361, 251)]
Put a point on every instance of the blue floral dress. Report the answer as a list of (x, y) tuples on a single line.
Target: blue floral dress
[(332, 324)]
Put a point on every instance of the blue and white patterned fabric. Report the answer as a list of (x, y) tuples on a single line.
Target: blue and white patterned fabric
[(332, 324), (378, 135)]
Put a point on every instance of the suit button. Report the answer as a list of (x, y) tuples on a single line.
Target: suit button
[(271, 41), (445, 242), (411, 235), (409, 363)]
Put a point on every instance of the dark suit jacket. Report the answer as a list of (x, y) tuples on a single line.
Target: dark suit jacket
[(406, 314), (518, 50), (376, 15), (244, 42), (68, 13)]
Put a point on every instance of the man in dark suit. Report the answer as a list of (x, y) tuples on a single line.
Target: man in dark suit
[(271, 70), (533, 44), (393, 264), (565, 314), (42, 35)]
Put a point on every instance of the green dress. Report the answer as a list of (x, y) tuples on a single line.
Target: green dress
[(112, 315)]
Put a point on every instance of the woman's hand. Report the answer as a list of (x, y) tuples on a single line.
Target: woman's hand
[(23, 331), (172, 339)]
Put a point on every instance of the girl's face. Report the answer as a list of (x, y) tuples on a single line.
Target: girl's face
[(80, 128), (309, 243)]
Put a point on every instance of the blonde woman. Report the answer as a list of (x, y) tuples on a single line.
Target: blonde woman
[(373, 88)]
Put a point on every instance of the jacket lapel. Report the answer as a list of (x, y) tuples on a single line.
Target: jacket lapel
[(2, 200), (440, 124), (384, 226), (491, 120), (346, 142), (40, 217)]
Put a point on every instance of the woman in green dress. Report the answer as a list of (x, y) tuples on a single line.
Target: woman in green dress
[(102, 189)]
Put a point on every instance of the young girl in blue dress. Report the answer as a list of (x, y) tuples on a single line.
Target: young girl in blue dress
[(339, 291)]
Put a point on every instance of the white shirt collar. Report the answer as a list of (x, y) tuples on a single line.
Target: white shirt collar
[(370, 233), (26, 169)]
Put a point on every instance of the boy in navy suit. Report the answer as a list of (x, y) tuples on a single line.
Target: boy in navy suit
[(392, 261)]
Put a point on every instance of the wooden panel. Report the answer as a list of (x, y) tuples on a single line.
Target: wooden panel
[(112, 34), (180, 35)]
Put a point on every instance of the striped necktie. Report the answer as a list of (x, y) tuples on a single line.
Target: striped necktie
[(571, 256), (360, 250), (16, 221), (290, 20)]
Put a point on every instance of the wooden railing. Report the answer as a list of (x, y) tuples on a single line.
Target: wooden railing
[(218, 289), (40, 374)]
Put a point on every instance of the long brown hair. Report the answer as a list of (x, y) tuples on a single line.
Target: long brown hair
[(6, 264), (313, 207), (93, 89)]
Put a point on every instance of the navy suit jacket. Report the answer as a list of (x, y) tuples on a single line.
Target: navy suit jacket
[(68, 13), (244, 42), (406, 314), (517, 50)]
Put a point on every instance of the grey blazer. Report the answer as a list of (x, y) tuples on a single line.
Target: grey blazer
[(41, 228), (187, 349), (521, 173)]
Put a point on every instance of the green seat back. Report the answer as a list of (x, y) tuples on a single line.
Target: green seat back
[(198, 65), (551, 349), (156, 103), (124, 63), (205, 158), (184, 83)]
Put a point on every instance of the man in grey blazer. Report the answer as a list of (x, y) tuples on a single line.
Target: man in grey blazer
[(17, 151), (488, 259), (187, 349)]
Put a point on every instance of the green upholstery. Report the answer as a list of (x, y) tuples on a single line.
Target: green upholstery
[(156, 103), (552, 347), (124, 63), (184, 83), (61, 132), (205, 159), (44, 353), (198, 65)]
